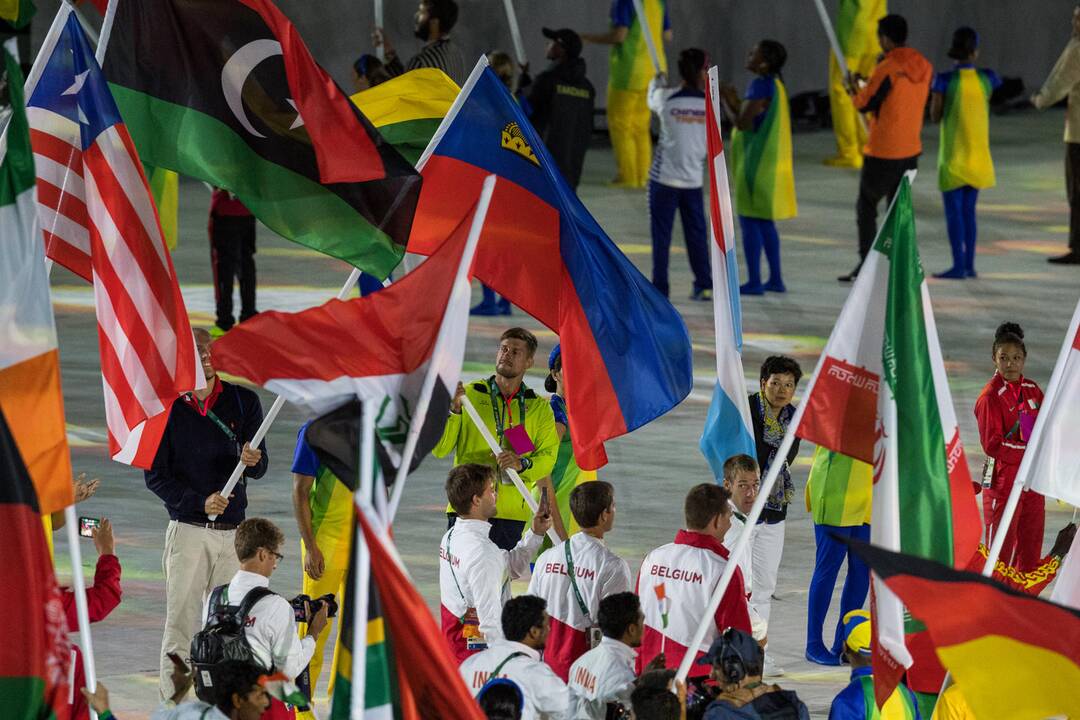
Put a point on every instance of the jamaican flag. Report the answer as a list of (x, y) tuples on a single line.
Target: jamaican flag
[(407, 109), (226, 91), (17, 13), (409, 672)]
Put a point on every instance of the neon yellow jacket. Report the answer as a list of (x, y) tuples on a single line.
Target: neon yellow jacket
[(463, 439)]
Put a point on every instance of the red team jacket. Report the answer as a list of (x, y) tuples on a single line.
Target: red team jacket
[(997, 412), (101, 599), (689, 569)]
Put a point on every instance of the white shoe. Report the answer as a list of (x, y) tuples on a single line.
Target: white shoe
[(771, 669)]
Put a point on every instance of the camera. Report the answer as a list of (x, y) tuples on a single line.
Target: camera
[(314, 605)]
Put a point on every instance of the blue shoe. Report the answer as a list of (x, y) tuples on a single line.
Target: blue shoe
[(776, 286), (952, 274), (970, 272), (821, 656), (504, 307), (485, 310), (751, 289), (701, 294)]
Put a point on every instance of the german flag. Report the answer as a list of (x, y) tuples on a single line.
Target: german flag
[(409, 671), (35, 654), (1013, 656)]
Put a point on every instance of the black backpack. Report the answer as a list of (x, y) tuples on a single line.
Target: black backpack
[(222, 638)]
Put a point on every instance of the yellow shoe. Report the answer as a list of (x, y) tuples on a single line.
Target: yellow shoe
[(844, 161), (217, 331)]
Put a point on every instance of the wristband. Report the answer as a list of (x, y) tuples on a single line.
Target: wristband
[(526, 464), (106, 714)]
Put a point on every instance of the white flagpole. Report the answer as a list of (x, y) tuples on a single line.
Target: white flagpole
[(363, 559), (272, 413), (461, 284), (646, 32), (838, 53), (380, 52), (515, 32), (78, 583), (106, 31), (514, 477)]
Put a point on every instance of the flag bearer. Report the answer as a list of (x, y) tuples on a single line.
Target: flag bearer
[(856, 31)]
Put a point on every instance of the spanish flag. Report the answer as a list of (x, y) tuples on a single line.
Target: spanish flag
[(1013, 656)]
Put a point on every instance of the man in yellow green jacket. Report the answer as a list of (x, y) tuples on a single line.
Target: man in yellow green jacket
[(504, 403), (838, 496)]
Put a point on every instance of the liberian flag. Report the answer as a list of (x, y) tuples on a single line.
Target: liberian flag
[(379, 348), (880, 395), (728, 428), (99, 221), (30, 391)]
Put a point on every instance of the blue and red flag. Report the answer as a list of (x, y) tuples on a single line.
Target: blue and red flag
[(626, 351), (728, 428)]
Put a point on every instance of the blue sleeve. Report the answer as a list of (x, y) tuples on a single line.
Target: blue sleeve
[(622, 13), (941, 82), (760, 88), (305, 461), (993, 77), (844, 706), (667, 19), (558, 409)]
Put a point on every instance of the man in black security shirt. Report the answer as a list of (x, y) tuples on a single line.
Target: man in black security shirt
[(207, 433), (560, 103)]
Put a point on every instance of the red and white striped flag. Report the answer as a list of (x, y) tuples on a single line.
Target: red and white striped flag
[(99, 221)]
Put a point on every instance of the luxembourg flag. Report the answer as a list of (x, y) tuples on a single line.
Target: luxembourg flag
[(728, 430)]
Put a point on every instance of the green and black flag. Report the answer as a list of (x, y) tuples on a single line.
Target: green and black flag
[(227, 92)]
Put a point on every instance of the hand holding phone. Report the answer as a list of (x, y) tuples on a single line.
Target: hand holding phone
[(87, 525)]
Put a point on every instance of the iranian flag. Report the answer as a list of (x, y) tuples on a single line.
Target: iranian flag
[(228, 93), (880, 395)]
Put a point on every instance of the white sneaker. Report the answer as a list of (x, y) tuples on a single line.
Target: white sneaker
[(771, 669)]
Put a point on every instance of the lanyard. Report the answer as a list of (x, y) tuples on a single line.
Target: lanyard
[(496, 407), (573, 583), (224, 428), (511, 656), (450, 562)]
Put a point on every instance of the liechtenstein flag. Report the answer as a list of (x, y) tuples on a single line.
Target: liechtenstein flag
[(728, 429), (626, 351)]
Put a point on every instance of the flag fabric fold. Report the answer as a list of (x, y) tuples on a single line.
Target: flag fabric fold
[(1012, 655), (99, 220), (35, 655), (626, 351), (728, 428), (30, 390), (228, 93), (409, 671), (880, 395)]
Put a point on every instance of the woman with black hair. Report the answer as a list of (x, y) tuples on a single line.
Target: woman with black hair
[(501, 699), (1006, 411), (762, 163)]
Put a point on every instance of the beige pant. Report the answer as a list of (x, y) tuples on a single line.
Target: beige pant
[(196, 560)]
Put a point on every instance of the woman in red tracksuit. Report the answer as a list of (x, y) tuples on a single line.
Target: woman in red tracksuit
[(1006, 412)]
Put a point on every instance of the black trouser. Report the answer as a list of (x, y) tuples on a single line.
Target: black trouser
[(504, 533), (1072, 189), (879, 179), (232, 254)]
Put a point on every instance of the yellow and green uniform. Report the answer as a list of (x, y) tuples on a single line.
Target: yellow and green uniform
[(857, 700), (761, 157), (566, 475), (839, 489), (463, 439), (856, 31), (630, 69), (964, 152), (331, 506)]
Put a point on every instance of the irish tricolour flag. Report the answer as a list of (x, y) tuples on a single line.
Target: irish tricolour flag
[(880, 395)]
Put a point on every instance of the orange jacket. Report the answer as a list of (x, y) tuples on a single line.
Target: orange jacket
[(895, 101)]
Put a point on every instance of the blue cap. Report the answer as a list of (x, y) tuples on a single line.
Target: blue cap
[(555, 353)]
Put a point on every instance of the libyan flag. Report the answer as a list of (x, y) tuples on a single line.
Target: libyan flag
[(1011, 655), (35, 654), (409, 672), (880, 395), (227, 92)]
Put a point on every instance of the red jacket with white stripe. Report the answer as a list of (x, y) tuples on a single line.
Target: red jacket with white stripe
[(689, 568), (474, 573), (599, 573), (997, 412)]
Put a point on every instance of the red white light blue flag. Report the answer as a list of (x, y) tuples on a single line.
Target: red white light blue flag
[(728, 429), (99, 221)]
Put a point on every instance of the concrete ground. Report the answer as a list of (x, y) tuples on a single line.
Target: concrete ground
[(1023, 220)]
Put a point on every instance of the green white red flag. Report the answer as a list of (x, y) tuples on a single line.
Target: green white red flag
[(880, 395)]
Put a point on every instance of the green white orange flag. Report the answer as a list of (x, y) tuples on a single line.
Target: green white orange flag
[(30, 393), (880, 395)]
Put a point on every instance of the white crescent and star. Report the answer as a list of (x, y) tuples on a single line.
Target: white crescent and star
[(235, 72)]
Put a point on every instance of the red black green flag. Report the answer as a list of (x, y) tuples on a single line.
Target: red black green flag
[(35, 654), (227, 92)]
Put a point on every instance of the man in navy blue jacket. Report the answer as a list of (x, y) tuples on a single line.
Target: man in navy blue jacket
[(207, 433)]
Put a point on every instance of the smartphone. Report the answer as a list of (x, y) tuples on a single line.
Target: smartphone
[(87, 526), (542, 509)]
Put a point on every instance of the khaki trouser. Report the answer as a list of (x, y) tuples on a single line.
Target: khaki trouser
[(196, 560)]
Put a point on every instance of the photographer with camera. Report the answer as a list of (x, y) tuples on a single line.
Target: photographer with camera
[(736, 660), (269, 620)]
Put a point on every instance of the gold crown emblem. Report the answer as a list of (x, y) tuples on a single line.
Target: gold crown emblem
[(514, 140)]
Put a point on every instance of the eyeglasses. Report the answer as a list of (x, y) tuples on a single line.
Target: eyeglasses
[(278, 555)]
